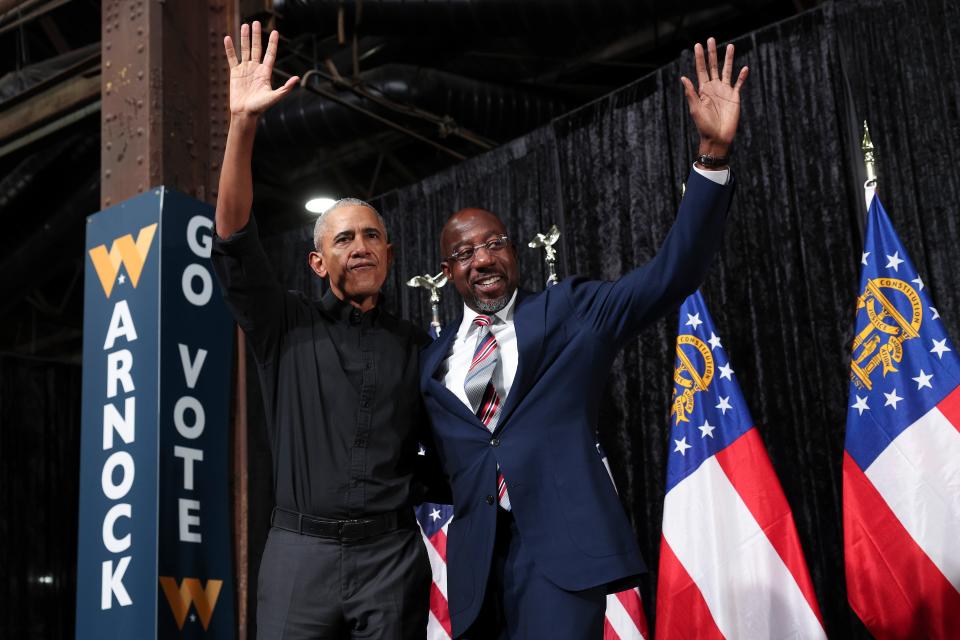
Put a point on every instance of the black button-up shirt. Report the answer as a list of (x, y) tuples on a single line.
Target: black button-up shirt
[(340, 389)]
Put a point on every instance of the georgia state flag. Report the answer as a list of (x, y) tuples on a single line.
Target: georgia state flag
[(901, 463), (731, 565)]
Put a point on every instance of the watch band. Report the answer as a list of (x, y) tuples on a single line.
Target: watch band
[(713, 162)]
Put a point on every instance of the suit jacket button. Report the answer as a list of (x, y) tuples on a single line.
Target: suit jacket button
[(489, 499), (495, 442)]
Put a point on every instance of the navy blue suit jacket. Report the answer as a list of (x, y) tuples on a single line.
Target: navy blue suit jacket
[(565, 506)]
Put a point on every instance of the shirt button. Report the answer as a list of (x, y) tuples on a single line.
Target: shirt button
[(489, 499), (495, 442)]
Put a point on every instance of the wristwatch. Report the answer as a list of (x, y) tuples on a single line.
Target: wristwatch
[(713, 162)]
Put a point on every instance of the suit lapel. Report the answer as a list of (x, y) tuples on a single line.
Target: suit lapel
[(528, 323), (434, 356), (436, 352)]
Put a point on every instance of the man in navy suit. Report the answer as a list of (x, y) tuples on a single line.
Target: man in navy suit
[(539, 536)]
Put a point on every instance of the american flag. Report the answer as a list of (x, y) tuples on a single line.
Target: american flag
[(731, 565), (901, 462), (624, 619), (434, 521)]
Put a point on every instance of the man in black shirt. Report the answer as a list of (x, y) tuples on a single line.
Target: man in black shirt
[(340, 385)]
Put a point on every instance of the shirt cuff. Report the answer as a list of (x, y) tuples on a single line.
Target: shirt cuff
[(720, 177)]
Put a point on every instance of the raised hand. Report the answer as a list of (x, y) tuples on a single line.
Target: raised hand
[(251, 92), (715, 106)]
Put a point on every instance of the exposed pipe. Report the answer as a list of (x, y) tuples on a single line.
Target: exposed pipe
[(492, 110), (354, 108), (490, 17)]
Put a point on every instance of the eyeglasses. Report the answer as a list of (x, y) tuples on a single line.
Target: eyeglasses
[(465, 256)]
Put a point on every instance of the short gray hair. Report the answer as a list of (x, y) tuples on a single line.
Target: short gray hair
[(319, 226)]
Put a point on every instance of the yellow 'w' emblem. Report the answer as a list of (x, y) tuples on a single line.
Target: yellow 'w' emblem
[(124, 250), (204, 600)]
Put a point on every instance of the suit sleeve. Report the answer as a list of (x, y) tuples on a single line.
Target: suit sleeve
[(620, 309), (250, 289), (431, 482)]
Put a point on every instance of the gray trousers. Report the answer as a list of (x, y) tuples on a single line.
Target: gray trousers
[(374, 588)]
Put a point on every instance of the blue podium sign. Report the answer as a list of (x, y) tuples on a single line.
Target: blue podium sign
[(154, 545)]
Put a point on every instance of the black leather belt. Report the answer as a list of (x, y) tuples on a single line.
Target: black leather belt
[(342, 529)]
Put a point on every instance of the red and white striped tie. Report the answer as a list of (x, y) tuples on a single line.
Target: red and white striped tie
[(481, 391)]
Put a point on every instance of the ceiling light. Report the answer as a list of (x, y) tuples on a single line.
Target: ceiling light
[(319, 205)]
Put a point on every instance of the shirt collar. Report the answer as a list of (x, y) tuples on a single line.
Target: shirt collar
[(344, 311)]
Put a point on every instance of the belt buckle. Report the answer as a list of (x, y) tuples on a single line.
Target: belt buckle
[(348, 530)]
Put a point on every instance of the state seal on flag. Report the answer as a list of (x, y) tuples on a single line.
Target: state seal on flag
[(690, 379), (879, 301)]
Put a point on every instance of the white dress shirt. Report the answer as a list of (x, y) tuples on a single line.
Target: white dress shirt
[(457, 363)]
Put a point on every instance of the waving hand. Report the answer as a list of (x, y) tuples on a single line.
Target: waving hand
[(715, 105), (250, 90)]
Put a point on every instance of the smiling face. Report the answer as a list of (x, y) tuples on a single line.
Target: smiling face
[(487, 282), (354, 254)]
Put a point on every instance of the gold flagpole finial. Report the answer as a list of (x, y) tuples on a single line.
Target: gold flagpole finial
[(869, 158)]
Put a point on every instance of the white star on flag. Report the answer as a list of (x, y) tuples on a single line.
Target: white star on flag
[(860, 405), (919, 283), (863, 258), (682, 446), (939, 346), (892, 399), (936, 314), (694, 320), (724, 404), (421, 451), (894, 261), (706, 429), (714, 340), (923, 380), (121, 279), (726, 371), (435, 514)]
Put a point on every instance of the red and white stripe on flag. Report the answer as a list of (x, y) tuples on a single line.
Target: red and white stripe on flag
[(625, 619), (438, 623), (731, 565), (901, 525)]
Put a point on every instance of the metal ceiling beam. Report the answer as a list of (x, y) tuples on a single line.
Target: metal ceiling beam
[(164, 94), (30, 16), (55, 101)]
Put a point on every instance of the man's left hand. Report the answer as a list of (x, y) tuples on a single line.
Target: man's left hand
[(715, 106)]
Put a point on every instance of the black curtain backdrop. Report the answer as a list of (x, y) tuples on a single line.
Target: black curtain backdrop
[(783, 291), (39, 474)]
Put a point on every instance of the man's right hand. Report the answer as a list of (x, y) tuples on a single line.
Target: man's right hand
[(250, 90)]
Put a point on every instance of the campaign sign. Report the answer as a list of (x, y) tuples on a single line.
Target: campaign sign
[(154, 557)]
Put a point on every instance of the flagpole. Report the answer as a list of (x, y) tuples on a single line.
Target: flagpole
[(869, 163)]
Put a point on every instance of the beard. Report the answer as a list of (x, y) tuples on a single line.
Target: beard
[(492, 306)]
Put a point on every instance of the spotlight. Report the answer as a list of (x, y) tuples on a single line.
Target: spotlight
[(319, 205)]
